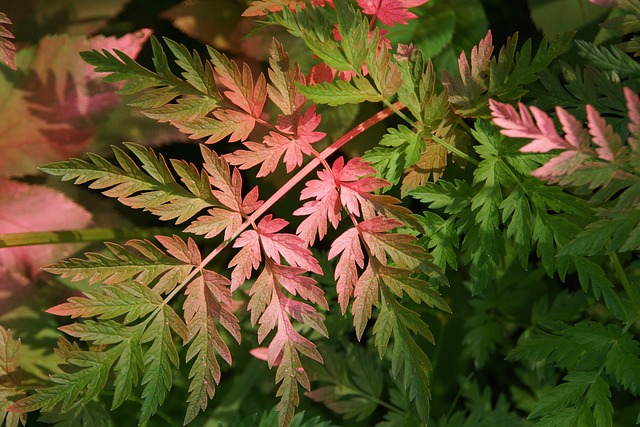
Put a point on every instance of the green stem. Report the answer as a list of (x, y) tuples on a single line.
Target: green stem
[(454, 150), (83, 235), (624, 280)]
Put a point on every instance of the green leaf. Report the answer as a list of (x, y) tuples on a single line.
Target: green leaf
[(158, 362), (407, 356), (11, 379), (623, 361), (157, 191), (341, 92), (609, 58), (144, 266), (566, 394), (560, 16)]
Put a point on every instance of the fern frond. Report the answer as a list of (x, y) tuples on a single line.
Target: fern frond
[(156, 191)]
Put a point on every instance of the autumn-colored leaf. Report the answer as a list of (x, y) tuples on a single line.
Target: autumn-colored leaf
[(390, 12), (290, 141), (7, 49), (54, 112), (346, 271)]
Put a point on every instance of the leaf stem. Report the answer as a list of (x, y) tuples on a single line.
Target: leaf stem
[(624, 280), (83, 235), (306, 170), (454, 150)]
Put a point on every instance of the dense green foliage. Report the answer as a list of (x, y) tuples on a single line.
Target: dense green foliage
[(480, 268)]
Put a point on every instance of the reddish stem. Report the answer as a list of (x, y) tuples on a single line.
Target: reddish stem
[(306, 170)]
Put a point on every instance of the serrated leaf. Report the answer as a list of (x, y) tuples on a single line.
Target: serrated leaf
[(342, 92), (7, 49)]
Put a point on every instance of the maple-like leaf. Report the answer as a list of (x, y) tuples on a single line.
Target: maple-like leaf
[(275, 245), (291, 140), (390, 12), (356, 181), (7, 49), (55, 110)]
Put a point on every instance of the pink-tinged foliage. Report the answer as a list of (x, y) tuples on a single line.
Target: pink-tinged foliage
[(633, 106), (31, 208), (290, 141), (356, 183), (603, 3), (390, 12), (55, 111), (227, 189), (347, 186), (275, 245), (542, 131), (346, 272), (7, 49), (246, 98), (576, 142), (471, 83)]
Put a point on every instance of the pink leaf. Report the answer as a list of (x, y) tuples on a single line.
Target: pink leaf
[(31, 208), (186, 252), (248, 259), (248, 95), (604, 137), (346, 272), (325, 207), (514, 125), (390, 11), (54, 112), (288, 246), (633, 106), (293, 140)]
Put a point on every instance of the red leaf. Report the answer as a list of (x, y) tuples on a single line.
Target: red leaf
[(285, 245), (293, 140), (346, 272), (390, 11), (325, 207), (54, 113), (355, 183)]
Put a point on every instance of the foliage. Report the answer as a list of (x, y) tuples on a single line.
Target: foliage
[(380, 263)]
